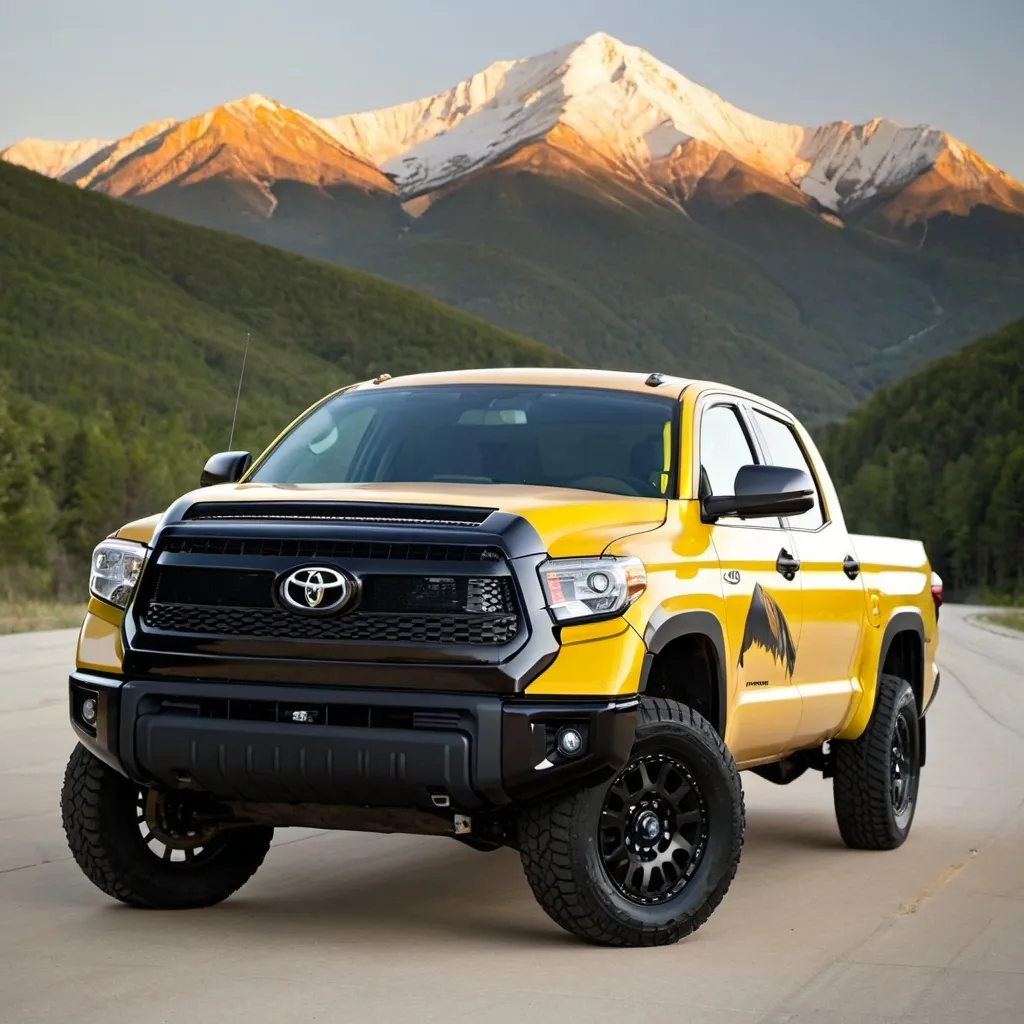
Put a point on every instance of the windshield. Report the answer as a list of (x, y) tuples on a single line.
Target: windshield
[(588, 438)]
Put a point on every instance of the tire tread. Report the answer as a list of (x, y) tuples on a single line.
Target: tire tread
[(861, 782), (87, 782), (546, 831)]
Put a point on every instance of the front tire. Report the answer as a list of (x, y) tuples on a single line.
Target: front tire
[(645, 859), (877, 776), (105, 821)]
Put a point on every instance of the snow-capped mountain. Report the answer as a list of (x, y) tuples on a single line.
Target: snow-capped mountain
[(84, 172), (623, 110), (51, 158), (636, 112), (250, 143)]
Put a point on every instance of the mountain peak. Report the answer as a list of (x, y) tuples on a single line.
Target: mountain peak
[(626, 112), (252, 142), (253, 102), (49, 157)]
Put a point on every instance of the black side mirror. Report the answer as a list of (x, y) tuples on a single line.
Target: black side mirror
[(225, 468), (763, 492)]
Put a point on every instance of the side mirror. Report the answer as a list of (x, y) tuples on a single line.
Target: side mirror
[(762, 492), (225, 468)]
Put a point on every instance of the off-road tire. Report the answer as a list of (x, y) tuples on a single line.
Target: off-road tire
[(862, 786), (559, 844), (99, 811)]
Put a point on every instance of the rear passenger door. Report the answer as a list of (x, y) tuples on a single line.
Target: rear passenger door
[(762, 602), (833, 593)]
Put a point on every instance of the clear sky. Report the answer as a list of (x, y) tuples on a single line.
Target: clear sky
[(100, 68)]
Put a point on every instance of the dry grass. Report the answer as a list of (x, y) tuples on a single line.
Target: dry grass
[(31, 616), (1015, 619)]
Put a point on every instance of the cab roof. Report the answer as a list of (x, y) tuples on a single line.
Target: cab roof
[(616, 380)]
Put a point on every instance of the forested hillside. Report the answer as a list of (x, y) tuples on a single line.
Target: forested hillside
[(121, 341), (940, 456)]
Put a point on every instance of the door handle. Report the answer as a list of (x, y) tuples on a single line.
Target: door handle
[(851, 567), (787, 564)]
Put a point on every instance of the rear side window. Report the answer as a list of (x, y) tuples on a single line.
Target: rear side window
[(784, 449)]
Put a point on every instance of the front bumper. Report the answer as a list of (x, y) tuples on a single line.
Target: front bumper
[(265, 743)]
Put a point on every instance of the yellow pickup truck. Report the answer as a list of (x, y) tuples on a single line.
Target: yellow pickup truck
[(555, 610)]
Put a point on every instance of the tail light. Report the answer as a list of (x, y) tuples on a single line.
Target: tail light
[(937, 592)]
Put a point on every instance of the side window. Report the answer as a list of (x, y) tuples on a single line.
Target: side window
[(784, 450), (724, 448)]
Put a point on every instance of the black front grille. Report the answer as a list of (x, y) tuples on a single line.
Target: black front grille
[(254, 589), (195, 600), (371, 627), (272, 547), (215, 587)]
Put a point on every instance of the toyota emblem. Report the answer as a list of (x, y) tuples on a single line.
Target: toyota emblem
[(316, 590)]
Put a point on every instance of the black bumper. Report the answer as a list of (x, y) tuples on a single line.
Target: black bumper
[(347, 747)]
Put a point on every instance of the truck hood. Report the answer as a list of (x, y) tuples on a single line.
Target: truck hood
[(569, 522)]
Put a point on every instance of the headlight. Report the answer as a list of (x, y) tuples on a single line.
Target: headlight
[(116, 568), (588, 588)]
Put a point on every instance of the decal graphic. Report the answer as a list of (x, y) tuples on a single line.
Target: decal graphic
[(732, 576), (766, 627)]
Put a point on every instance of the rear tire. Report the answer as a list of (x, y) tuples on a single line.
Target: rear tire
[(645, 859), (105, 824), (877, 776)]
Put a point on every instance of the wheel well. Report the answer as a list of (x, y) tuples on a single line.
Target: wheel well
[(686, 670), (905, 658)]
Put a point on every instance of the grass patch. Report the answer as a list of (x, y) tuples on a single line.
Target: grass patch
[(33, 616), (1012, 620)]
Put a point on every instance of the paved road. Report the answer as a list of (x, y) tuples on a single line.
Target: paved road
[(380, 928)]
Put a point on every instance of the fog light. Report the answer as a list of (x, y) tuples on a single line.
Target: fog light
[(569, 742), (89, 711)]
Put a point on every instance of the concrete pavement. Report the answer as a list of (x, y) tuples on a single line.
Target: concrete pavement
[(378, 928)]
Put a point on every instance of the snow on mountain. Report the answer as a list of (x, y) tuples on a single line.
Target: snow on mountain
[(380, 135), (848, 164), (628, 106), (634, 111), (626, 112), (51, 158)]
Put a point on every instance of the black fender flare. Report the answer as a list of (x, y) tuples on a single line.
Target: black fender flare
[(901, 622), (664, 627), (905, 622)]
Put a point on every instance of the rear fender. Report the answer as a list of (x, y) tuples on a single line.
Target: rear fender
[(903, 620)]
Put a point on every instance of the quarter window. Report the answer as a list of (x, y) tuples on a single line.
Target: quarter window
[(784, 449)]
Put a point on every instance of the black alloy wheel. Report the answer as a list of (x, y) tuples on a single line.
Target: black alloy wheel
[(901, 764), (878, 775), (167, 833), (142, 847), (654, 829), (645, 858)]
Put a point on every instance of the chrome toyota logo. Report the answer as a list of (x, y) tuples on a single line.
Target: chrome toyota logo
[(317, 589)]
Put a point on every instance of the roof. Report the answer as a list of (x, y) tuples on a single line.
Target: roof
[(617, 380)]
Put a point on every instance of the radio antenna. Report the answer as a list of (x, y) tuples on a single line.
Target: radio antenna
[(238, 393)]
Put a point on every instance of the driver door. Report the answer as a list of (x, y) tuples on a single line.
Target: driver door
[(763, 603)]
